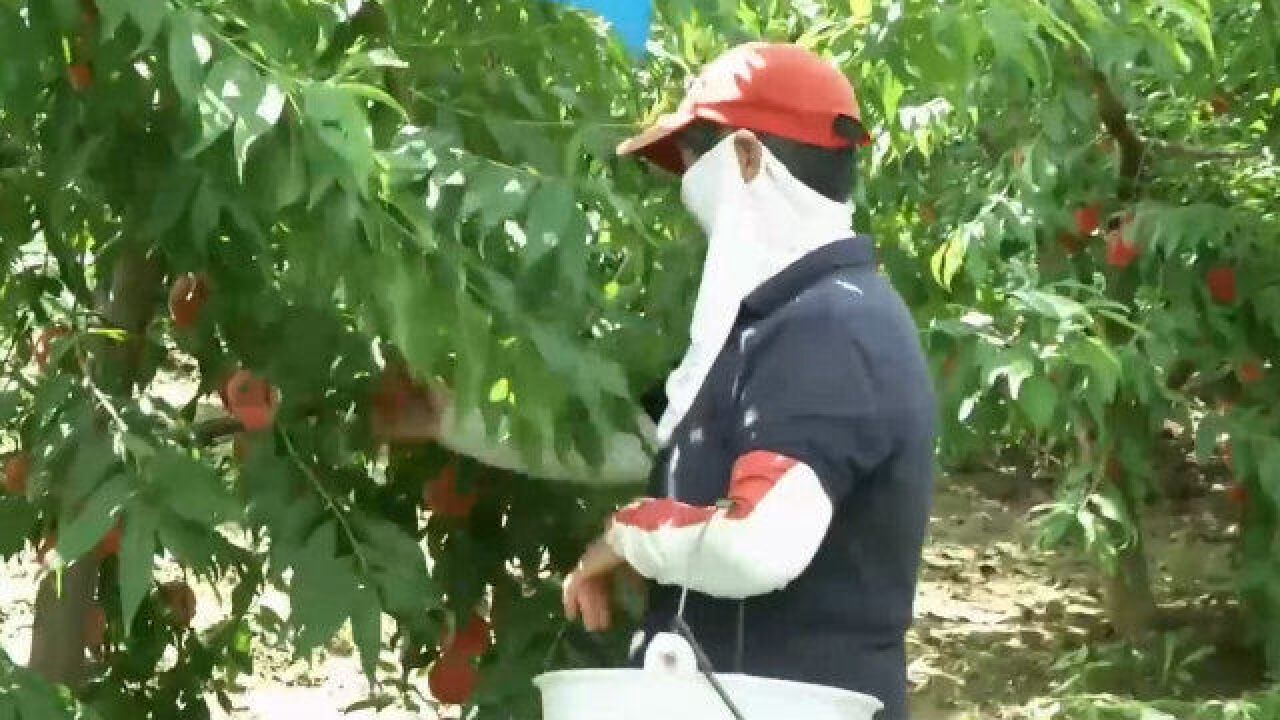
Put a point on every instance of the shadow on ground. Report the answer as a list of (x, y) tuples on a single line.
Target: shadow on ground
[(1001, 626)]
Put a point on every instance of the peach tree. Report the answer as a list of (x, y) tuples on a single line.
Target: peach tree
[(296, 214), (303, 208)]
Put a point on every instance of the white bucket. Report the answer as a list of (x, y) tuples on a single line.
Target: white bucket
[(674, 690)]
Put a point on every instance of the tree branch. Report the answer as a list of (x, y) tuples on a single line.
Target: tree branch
[(211, 431), (1166, 148), (1115, 118)]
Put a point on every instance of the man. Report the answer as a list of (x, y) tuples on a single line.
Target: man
[(792, 489)]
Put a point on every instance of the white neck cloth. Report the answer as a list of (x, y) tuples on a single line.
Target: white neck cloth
[(754, 231)]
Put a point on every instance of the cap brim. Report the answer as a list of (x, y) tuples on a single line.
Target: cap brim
[(657, 143)]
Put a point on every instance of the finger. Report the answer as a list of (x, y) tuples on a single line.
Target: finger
[(590, 609), (586, 610), (570, 598), (599, 608), (606, 615), (598, 559), (438, 398)]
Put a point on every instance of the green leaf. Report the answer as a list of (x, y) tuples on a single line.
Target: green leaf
[(1055, 527), (93, 458), (1109, 508), (192, 545), (111, 13), (382, 57), (1196, 16), (1011, 39), (366, 628), (171, 202), (229, 77), (1088, 525), (252, 123), (206, 210), (1051, 304), (313, 334), (550, 209), (473, 338), (148, 16), (10, 404), (604, 375), (1269, 469), (322, 590), (137, 552), (893, 91), (397, 567), (1103, 365), (1090, 12), (418, 337), (949, 256), (338, 121), (497, 192), (82, 533), (17, 518), (1015, 366), (1038, 400), (37, 700), (269, 481), (189, 52), (292, 182), (500, 391), (191, 489), (375, 94)]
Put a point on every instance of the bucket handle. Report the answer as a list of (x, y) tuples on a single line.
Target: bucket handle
[(681, 628), (704, 665)]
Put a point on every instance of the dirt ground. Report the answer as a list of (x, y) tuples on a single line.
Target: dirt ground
[(995, 617), (1001, 627)]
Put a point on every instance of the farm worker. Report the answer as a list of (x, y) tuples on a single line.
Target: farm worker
[(792, 487)]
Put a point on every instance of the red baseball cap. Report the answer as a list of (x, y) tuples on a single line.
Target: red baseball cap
[(780, 89)]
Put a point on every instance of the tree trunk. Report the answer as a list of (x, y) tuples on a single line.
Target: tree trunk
[(127, 302), (1130, 603), (57, 636)]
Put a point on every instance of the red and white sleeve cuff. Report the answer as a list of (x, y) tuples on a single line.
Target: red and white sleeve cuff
[(777, 519)]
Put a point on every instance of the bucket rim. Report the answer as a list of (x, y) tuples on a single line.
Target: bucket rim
[(826, 690)]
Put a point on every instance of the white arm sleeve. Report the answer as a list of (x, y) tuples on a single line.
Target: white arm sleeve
[(627, 457), (711, 551)]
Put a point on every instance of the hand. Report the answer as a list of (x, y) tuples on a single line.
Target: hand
[(405, 411), (587, 590)]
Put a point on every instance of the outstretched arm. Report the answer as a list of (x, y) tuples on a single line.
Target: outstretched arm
[(626, 457), (408, 411)]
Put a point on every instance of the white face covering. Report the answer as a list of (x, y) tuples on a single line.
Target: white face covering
[(754, 231)]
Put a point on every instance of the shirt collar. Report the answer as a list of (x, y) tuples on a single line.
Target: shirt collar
[(857, 251)]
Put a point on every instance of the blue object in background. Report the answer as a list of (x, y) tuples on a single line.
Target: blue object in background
[(630, 18)]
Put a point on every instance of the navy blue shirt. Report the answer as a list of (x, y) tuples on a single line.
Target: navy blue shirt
[(823, 365)]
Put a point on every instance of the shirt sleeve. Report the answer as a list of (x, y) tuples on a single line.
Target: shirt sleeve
[(767, 533), (628, 458), (808, 393), (809, 425)]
